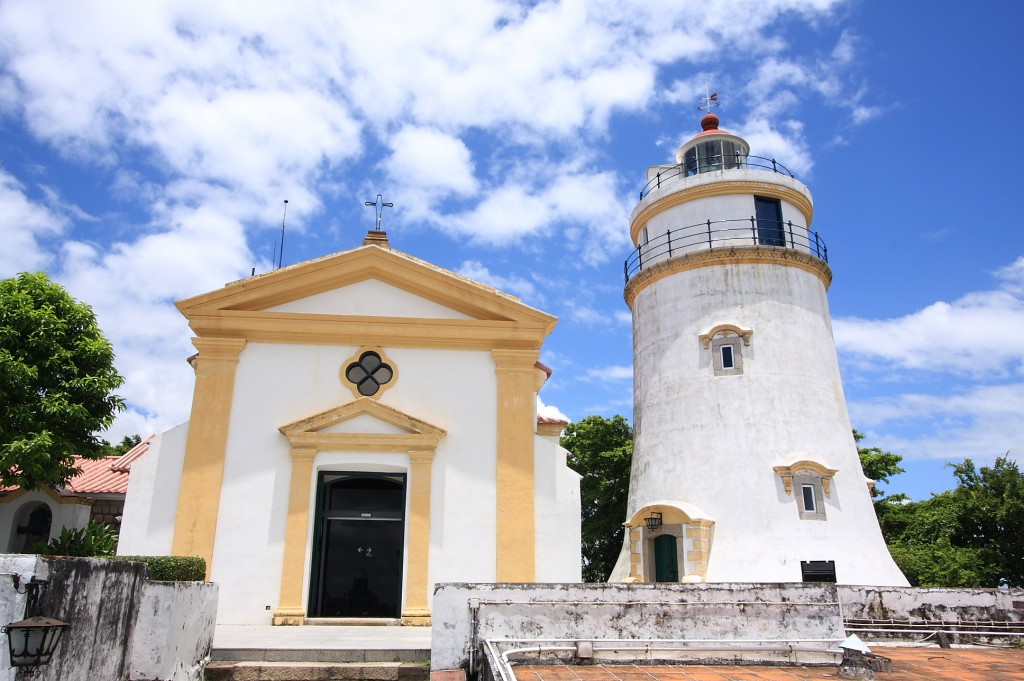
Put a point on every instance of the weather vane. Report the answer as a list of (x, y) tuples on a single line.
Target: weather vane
[(708, 101), (380, 206)]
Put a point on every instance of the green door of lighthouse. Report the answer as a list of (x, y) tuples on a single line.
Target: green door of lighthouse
[(666, 567)]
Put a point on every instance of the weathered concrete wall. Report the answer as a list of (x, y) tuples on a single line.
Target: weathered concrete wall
[(174, 634), (100, 599), (778, 612), (908, 603), (123, 627)]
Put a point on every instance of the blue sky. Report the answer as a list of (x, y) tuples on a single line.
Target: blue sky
[(147, 149)]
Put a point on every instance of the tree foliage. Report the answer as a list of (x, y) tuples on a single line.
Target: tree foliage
[(123, 447), (970, 536), (56, 378), (878, 465), (990, 518), (601, 450)]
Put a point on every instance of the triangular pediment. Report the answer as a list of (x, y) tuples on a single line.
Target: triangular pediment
[(447, 289), (370, 295), (363, 424)]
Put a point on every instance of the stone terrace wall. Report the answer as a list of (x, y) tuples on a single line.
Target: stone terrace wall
[(910, 603), (777, 612)]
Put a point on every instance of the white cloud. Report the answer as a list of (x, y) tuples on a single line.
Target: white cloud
[(609, 374), (977, 341), (979, 334), (979, 423), (477, 271), (550, 411), (210, 114), (27, 224)]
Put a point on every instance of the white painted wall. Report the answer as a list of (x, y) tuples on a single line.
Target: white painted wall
[(173, 636), (15, 513), (557, 512), (713, 440), (151, 503), (370, 298)]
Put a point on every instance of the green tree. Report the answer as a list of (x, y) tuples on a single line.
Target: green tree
[(56, 378), (122, 447), (878, 465), (601, 451), (990, 518)]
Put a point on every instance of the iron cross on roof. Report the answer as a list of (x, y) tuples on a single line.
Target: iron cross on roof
[(379, 204)]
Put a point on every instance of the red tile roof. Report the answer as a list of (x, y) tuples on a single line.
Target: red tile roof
[(108, 475), (551, 420)]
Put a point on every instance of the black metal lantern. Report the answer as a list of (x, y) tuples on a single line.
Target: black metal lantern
[(653, 521), (31, 641)]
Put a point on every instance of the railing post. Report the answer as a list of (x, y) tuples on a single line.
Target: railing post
[(710, 245), (817, 246), (792, 242), (774, 169), (826, 253), (659, 179), (625, 270), (753, 229), (670, 243)]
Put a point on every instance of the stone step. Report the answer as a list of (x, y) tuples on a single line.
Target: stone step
[(317, 671), (321, 655)]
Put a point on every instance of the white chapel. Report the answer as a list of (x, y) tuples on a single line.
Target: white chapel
[(363, 426)]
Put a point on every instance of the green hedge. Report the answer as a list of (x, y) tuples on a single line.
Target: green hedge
[(172, 568)]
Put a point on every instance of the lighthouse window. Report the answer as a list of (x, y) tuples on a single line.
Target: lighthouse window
[(810, 501), (727, 355), (808, 492)]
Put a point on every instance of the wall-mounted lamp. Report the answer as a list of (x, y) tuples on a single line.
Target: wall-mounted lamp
[(31, 641), (653, 521)]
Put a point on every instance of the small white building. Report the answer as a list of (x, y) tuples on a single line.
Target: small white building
[(744, 464), (363, 426)]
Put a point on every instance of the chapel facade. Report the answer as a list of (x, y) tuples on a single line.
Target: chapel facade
[(363, 426)]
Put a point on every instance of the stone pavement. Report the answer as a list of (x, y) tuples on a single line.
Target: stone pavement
[(908, 664)]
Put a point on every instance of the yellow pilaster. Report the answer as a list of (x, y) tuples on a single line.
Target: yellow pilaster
[(416, 611), (517, 415), (290, 609), (203, 469)]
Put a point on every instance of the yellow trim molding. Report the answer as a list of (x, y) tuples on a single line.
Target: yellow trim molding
[(195, 524), (745, 334), (307, 438), (249, 298), (739, 255), (801, 200), (517, 419), (787, 473), (50, 492)]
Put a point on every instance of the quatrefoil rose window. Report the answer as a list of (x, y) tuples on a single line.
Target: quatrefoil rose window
[(368, 373)]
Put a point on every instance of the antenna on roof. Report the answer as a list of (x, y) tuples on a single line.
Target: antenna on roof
[(379, 204), (280, 258)]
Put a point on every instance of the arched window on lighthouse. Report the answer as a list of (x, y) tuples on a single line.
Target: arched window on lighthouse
[(809, 483), (726, 342)]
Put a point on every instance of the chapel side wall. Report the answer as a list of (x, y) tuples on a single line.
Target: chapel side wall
[(277, 384), (558, 542), (788, 406), (151, 503)]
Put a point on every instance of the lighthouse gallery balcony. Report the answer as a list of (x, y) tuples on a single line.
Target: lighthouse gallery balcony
[(765, 228)]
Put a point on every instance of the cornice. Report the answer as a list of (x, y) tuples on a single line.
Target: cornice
[(762, 255)]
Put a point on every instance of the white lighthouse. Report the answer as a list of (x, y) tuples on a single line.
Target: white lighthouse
[(744, 464)]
